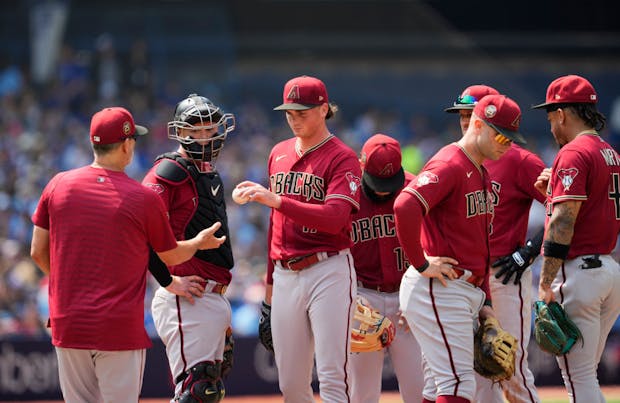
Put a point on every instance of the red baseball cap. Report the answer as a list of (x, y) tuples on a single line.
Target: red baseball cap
[(301, 93), (113, 125), (501, 113), (381, 164), (569, 89), (470, 96)]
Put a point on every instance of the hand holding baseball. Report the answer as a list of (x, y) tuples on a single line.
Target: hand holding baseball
[(238, 196), (251, 191)]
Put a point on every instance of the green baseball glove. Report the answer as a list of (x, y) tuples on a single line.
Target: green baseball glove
[(555, 333)]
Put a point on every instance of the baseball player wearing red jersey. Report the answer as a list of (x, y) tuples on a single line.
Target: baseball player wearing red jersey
[(314, 188), (512, 189), (583, 221), (443, 219), (193, 194), (92, 230), (380, 263)]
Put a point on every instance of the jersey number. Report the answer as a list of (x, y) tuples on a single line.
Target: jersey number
[(614, 192), (401, 260)]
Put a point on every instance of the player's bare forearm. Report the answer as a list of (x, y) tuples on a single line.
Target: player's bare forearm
[(560, 231), (550, 268), (40, 248), (486, 312), (268, 293)]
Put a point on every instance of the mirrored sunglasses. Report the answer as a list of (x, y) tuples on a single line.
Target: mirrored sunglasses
[(466, 100)]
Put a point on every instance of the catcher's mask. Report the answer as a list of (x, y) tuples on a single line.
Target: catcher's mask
[(371, 331), (196, 113)]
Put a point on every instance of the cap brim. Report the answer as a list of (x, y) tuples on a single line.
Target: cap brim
[(390, 185), (543, 105), (294, 107), (141, 130), (456, 108), (512, 135)]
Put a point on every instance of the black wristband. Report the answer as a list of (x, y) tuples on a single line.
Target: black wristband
[(423, 267), (488, 302), (555, 250)]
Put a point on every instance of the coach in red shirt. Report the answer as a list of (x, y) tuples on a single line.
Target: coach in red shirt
[(93, 228)]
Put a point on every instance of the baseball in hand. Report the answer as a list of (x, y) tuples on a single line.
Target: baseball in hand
[(237, 198)]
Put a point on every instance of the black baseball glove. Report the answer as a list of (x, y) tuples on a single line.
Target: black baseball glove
[(264, 327), (519, 260), (229, 346)]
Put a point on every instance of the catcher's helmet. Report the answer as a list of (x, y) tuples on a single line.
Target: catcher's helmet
[(198, 113)]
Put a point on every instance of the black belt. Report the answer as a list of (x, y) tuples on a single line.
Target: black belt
[(380, 288), (303, 262)]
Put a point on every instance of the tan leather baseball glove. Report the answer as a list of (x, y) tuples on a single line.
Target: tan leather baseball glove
[(494, 351), (371, 330)]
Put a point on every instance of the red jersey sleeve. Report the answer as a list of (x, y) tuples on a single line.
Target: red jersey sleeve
[(159, 233)]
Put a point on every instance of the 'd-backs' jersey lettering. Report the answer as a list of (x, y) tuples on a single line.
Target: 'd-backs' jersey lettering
[(328, 171), (451, 181), (379, 258)]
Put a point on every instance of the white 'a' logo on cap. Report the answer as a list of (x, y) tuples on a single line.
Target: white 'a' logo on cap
[(293, 93), (490, 111)]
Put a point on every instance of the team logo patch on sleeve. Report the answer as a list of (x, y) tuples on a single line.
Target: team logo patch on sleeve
[(426, 177), (156, 187), (567, 176), (354, 182)]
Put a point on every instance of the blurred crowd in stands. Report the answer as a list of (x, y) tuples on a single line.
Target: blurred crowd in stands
[(44, 130)]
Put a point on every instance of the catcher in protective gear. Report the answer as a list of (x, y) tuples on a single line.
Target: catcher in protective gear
[(554, 331), (494, 351), (371, 331)]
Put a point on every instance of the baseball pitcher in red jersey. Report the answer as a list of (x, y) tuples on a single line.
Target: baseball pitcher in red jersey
[(583, 221), (186, 180), (93, 228), (380, 263), (443, 219), (311, 283), (512, 191)]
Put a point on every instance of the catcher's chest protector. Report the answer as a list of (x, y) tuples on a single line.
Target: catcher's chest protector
[(210, 209)]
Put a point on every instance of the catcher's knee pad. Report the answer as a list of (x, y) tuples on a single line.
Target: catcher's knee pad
[(202, 383)]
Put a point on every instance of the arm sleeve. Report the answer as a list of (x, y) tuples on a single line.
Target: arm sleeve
[(270, 265), (529, 170), (537, 240), (408, 215), (329, 217), (159, 270)]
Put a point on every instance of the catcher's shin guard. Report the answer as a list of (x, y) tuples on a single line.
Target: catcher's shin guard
[(202, 383)]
